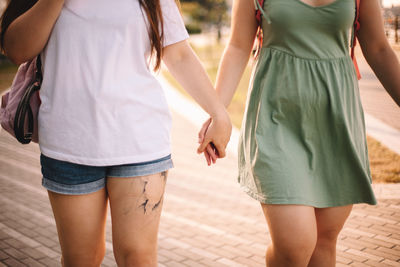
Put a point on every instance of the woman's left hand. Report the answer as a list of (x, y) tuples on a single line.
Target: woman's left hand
[(210, 153), (214, 137)]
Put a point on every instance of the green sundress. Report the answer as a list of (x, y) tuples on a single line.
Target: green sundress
[(303, 136)]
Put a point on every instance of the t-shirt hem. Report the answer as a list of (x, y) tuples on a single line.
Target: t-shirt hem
[(105, 161)]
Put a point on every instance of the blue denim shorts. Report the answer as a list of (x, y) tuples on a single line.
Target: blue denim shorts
[(74, 179)]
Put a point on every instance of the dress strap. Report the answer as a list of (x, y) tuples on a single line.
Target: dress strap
[(259, 7)]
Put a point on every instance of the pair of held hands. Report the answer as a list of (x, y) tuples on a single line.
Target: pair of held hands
[(213, 139)]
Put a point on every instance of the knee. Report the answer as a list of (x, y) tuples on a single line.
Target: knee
[(328, 237), (301, 253), (295, 251), (85, 259), (138, 257)]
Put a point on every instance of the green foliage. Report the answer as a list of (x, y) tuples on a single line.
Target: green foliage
[(212, 13), (193, 28)]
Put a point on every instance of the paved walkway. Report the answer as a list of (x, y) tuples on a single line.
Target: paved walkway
[(207, 220), (382, 115), (376, 101)]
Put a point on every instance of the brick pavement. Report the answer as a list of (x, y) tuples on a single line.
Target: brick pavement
[(207, 220)]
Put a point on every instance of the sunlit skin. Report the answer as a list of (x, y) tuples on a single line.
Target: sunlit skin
[(318, 228)]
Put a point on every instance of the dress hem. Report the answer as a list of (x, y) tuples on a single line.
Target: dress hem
[(296, 201)]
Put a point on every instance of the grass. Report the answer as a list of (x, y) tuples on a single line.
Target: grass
[(385, 166)]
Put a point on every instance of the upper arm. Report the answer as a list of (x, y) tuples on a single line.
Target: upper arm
[(243, 25), (371, 35), (27, 35), (176, 52), (173, 26)]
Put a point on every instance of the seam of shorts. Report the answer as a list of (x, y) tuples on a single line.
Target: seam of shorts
[(77, 189), (140, 170), (141, 164)]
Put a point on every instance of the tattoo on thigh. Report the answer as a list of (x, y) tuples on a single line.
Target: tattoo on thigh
[(145, 204), (144, 187), (164, 175), (158, 203)]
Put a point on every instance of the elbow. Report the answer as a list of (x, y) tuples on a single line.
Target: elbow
[(16, 59), (17, 54), (244, 46), (177, 53), (377, 51)]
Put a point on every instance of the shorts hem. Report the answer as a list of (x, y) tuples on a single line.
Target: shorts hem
[(295, 201), (100, 162), (143, 170), (77, 189)]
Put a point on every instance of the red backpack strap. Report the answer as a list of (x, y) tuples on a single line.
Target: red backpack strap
[(356, 28), (258, 10), (259, 6)]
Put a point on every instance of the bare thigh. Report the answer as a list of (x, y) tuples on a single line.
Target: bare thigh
[(291, 226), (80, 224), (330, 221), (136, 205)]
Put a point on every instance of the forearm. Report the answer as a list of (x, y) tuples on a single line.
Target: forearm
[(28, 34), (232, 66), (386, 66), (183, 64)]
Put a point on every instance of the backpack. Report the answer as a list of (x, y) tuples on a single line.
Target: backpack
[(20, 105), (356, 27)]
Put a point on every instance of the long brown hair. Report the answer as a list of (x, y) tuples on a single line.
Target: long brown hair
[(153, 12), (152, 9)]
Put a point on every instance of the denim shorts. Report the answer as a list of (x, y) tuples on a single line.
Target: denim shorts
[(74, 179)]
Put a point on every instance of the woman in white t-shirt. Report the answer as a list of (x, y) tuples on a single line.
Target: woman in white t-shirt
[(104, 124)]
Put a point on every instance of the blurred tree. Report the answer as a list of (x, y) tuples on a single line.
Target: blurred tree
[(212, 13)]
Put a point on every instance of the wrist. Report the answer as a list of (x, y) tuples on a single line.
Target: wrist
[(219, 113)]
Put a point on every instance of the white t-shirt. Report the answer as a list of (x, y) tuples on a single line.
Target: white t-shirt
[(101, 104)]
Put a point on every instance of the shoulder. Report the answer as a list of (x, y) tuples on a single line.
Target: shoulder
[(169, 6)]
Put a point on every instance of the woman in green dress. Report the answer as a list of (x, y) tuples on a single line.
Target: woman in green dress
[(302, 150)]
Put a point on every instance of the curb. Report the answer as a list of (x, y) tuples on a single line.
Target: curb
[(387, 135)]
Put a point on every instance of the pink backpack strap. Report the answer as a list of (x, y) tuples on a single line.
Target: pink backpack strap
[(356, 28)]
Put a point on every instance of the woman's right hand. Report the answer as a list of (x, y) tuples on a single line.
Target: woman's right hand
[(215, 133)]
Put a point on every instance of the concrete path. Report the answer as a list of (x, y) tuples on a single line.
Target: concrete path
[(376, 101), (382, 115)]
